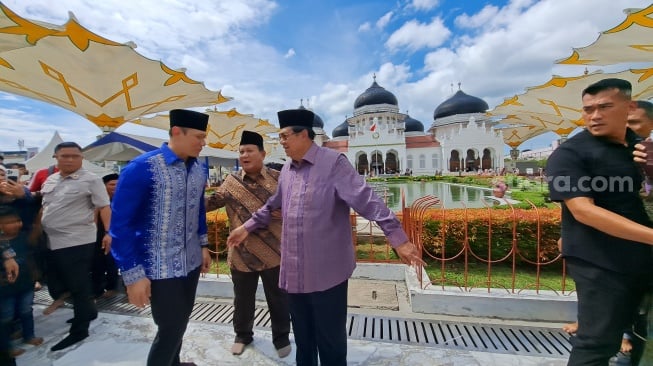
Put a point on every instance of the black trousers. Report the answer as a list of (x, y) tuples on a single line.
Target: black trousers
[(319, 321), (172, 303), (104, 271), (245, 284), (72, 266), (607, 304), (45, 261)]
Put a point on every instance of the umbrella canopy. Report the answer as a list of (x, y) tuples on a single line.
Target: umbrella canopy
[(630, 41), (549, 122), (104, 81), (556, 105), (225, 127), (116, 146), (515, 135)]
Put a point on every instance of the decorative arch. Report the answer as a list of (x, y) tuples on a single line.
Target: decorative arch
[(362, 164), (376, 162), (472, 160), (487, 158), (454, 161), (392, 162)]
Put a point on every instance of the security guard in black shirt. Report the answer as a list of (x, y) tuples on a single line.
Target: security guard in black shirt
[(607, 238)]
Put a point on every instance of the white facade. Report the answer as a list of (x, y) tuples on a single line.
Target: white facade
[(378, 139), (469, 143)]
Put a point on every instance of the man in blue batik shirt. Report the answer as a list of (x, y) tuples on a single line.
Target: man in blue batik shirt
[(159, 232)]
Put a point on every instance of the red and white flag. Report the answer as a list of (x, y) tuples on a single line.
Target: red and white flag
[(373, 126)]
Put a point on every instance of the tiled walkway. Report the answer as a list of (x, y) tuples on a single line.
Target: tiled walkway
[(124, 341)]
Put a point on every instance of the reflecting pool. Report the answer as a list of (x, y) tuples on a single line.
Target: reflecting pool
[(451, 195)]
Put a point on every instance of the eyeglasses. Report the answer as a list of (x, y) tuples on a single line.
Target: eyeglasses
[(284, 136)]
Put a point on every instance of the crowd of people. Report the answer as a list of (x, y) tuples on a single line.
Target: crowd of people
[(49, 235), (77, 232)]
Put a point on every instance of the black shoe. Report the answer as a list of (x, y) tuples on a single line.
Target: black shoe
[(69, 341)]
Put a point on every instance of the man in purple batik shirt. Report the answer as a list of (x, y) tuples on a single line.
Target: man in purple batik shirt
[(316, 191)]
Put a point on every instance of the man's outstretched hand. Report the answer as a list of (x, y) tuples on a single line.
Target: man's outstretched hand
[(409, 254), (237, 236)]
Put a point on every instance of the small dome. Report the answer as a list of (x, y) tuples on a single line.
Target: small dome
[(413, 125), (460, 103), (374, 95), (317, 120), (341, 130)]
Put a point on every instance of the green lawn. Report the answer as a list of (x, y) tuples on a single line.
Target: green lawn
[(477, 274), (499, 276)]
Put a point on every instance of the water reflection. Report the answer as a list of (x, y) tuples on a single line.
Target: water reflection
[(452, 195)]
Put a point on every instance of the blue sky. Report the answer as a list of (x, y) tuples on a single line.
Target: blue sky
[(268, 55)]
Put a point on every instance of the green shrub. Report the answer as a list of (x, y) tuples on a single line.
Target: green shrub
[(444, 233)]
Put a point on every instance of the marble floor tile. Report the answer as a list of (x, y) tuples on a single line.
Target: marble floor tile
[(120, 340)]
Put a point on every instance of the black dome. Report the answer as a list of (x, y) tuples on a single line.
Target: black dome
[(341, 130), (317, 120), (413, 125), (375, 94), (460, 103)]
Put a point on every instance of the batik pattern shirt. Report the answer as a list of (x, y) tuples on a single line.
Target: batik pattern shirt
[(242, 195), (315, 196), (158, 219)]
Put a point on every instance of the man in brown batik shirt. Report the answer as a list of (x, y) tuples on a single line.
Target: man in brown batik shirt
[(243, 193)]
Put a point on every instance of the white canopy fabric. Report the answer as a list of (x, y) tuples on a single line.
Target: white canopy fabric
[(104, 81), (44, 159), (117, 146)]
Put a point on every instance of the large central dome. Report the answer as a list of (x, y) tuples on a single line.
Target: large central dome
[(460, 103), (317, 120), (375, 94)]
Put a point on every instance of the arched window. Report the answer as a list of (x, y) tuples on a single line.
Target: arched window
[(422, 161), (434, 161), (409, 162)]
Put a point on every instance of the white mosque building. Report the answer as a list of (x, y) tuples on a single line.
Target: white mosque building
[(378, 139)]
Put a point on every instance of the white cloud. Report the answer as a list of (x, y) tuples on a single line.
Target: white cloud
[(290, 53), (384, 20), (414, 35), (477, 20), (424, 4), (365, 27)]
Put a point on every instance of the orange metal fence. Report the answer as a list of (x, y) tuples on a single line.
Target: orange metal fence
[(450, 268), (453, 268)]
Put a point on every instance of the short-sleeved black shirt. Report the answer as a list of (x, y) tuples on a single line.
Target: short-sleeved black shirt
[(588, 166)]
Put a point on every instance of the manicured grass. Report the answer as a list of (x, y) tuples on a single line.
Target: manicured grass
[(477, 273), (220, 266), (500, 276)]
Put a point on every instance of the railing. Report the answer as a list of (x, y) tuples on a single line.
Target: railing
[(371, 246), (430, 209)]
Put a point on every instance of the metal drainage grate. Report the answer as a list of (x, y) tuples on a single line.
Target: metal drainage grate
[(518, 340), (532, 341)]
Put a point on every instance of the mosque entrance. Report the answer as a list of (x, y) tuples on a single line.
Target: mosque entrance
[(471, 162), (391, 165), (486, 161), (377, 163), (454, 161), (363, 166)]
